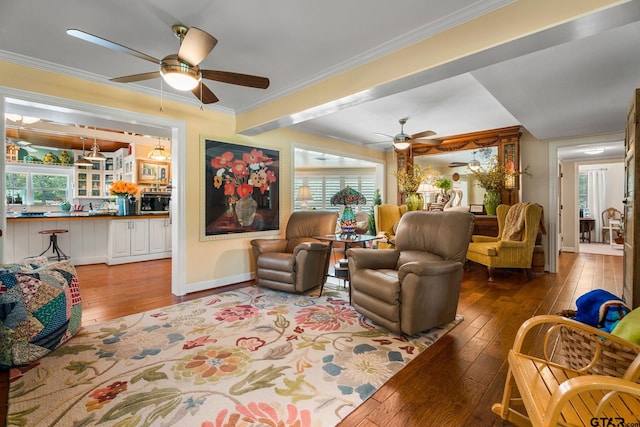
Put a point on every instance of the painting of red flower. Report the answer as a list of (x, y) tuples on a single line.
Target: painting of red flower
[(241, 188)]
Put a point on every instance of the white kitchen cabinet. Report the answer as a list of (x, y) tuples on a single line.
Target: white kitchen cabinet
[(159, 235), (128, 240)]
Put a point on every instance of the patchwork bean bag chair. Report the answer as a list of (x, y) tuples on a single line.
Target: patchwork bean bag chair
[(40, 308)]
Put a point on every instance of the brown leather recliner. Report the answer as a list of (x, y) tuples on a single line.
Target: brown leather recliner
[(298, 262), (416, 285)]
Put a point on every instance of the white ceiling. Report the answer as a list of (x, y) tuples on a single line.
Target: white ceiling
[(572, 80)]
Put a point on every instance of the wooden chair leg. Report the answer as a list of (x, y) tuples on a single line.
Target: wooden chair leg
[(490, 271), (529, 276)]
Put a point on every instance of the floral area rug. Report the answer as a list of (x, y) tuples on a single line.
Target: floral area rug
[(246, 357)]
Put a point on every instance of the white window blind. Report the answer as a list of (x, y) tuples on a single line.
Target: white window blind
[(324, 187)]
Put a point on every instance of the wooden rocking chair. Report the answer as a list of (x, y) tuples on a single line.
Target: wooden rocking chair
[(579, 376)]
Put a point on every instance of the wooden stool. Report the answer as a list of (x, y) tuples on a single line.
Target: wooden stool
[(53, 243)]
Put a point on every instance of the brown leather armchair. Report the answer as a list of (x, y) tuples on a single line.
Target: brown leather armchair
[(298, 262), (416, 285)]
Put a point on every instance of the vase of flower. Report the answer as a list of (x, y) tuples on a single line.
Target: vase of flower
[(246, 210), (414, 201), (491, 201)]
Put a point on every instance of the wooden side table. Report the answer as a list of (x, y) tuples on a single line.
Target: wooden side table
[(586, 227)]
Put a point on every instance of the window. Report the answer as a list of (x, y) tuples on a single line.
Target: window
[(36, 185), (324, 187), (583, 192)]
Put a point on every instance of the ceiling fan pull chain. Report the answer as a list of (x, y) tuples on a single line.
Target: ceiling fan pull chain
[(161, 97)]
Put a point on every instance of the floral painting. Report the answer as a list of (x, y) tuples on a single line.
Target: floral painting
[(241, 188)]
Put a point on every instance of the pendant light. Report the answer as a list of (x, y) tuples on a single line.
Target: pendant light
[(95, 153), (159, 153), (83, 161)]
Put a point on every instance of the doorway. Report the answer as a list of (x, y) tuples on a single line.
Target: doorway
[(571, 153), (67, 111)]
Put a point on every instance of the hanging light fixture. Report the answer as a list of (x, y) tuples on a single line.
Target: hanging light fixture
[(474, 164), (95, 153), (83, 161), (159, 153)]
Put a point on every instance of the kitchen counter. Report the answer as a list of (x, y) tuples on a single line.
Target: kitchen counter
[(75, 216), (92, 239)]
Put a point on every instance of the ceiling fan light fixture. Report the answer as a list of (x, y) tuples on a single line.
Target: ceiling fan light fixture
[(178, 74), (474, 164), (401, 141)]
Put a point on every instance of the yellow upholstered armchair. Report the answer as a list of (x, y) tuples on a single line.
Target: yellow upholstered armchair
[(518, 227), (386, 218)]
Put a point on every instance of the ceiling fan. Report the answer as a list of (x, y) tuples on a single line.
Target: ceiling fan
[(402, 141), (181, 70)]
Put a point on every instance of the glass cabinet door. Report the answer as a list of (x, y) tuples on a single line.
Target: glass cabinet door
[(96, 184), (108, 180), (81, 184)]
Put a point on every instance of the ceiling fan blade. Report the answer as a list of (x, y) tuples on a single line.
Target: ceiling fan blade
[(423, 134), (374, 143), (384, 134), (236, 78), (109, 44), (196, 45), (136, 77), (204, 94)]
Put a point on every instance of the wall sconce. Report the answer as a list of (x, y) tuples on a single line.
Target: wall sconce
[(304, 195)]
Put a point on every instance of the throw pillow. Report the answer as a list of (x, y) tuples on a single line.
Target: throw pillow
[(629, 327)]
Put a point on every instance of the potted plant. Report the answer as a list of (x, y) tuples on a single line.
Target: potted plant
[(408, 182), (493, 179)]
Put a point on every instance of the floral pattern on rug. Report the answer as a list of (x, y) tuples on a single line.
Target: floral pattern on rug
[(241, 358)]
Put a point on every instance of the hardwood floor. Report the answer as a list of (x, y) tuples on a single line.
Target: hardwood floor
[(453, 383)]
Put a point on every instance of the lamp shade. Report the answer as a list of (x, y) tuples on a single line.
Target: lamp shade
[(304, 195), (347, 197), (159, 153)]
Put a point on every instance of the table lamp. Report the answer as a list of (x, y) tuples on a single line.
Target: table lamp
[(304, 195), (348, 197)]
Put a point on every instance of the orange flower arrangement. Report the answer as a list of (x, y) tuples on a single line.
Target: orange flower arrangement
[(239, 177), (123, 188)]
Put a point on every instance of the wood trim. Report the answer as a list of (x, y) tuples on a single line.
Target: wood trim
[(500, 137)]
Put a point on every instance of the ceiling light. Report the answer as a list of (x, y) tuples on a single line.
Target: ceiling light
[(83, 161), (594, 151), (178, 74), (474, 164), (401, 141), (159, 153), (95, 153)]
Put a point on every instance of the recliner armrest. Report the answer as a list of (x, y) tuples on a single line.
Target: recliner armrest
[(374, 259), (261, 246), (311, 247), (428, 268)]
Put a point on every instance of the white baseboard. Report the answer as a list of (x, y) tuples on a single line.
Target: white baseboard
[(217, 283)]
